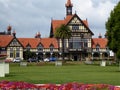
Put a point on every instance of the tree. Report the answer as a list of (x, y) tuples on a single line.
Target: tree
[(28, 54), (63, 32), (113, 30)]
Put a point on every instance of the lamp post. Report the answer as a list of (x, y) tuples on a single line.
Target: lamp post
[(101, 55), (92, 55), (43, 55), (60, 54), (108, 53), (37, 55), (51, 53)]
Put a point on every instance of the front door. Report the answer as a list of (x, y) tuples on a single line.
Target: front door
[(75, 58)]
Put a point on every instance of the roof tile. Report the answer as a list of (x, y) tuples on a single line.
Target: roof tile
[(101, 41), (34, 42), (5, 40), (57, 23)]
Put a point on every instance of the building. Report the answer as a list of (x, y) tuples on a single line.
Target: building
[(79, 47)]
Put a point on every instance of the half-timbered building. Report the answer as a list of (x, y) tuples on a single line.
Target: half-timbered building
[(78, 47)]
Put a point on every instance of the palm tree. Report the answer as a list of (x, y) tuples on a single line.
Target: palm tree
[(63, 32)]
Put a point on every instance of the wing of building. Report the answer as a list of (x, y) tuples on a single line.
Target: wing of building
[(79, 46)]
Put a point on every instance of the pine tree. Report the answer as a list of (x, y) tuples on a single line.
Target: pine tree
[(113, 30)]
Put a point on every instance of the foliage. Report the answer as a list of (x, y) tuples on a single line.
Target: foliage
[(7, 85), (28, 54), (113, 30), (63, 32)]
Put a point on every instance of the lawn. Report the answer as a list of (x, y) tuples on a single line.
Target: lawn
[(49, 73)]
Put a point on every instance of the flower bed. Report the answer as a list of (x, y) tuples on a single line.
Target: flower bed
[(8, 85)]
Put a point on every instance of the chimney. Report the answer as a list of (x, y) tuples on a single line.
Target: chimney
[(14, 34), (9, 28), (38, 35), (100, 36)]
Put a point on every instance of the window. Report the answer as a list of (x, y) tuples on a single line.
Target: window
[(78, 43), (75, 43), (69, 10), (75, 27), (107, 48), (40, 48), (11, 52), (28, 48), (85, 44), (97, 47), (17, 52), (51, 48)]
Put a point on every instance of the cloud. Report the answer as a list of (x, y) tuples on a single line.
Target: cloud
[(28, 17), (96, 12)]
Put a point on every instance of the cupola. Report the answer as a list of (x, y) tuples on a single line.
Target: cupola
[(69, 6)]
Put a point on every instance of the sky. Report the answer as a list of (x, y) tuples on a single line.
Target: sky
[(27, 17)]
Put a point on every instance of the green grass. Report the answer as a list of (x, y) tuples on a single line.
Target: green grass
[(49, 73)]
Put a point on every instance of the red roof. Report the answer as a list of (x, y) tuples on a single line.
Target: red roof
[(5, 40), (86, 23), (57, 23), (99, 41), (34, 42), (46, 42)]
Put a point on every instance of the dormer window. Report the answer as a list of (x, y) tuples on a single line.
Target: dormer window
[(28, 47), (97, 47), (51, 48), (40, 48), (107, 49)]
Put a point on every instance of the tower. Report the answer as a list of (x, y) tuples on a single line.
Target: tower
[(69, 6)]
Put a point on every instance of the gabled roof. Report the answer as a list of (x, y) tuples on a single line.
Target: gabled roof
[(102, 42), (56, 23), (5, 40), (34, 42), (46, 42)]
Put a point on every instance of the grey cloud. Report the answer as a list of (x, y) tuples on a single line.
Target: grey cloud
[(97, 2), (30, 16)]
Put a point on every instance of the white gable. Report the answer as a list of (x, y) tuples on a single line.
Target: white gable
[(15, 43), (76, 25)]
